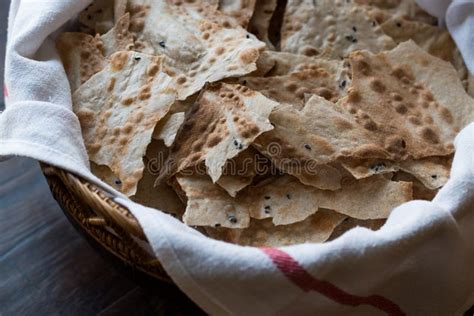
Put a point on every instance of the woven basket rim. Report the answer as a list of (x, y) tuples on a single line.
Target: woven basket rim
[(99, 216)]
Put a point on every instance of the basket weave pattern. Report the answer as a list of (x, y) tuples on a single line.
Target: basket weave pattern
[(98, 216)]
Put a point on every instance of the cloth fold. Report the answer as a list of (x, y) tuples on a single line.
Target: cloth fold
[(418, 263)]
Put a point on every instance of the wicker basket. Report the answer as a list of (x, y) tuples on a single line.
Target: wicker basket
[(107, 225)]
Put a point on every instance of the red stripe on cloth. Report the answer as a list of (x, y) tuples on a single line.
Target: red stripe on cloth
[(305, 281), (5, 91)]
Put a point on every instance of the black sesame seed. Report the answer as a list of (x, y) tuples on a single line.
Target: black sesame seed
[(288, 196), (217, 225), (350, 38), (378, 167), (244, 82), (354, 40), (232, 219), (399, 24), (247, 36), (137, 58), (374, 23), (241, 146), (236, 143), (404, 144), (267, 198), (162, 44), (308, 147), (267, 207), (354, 29), (434, 176), (342, 85), (118, 182)]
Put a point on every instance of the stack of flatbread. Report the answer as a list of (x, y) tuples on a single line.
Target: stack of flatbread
[(265, 122)]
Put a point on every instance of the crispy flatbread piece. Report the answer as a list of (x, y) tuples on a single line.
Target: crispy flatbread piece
[(315, 229), (168, 127), (82, 56), (196, 50), (118, 109), (287, 201), (331, 29), (223, 122)]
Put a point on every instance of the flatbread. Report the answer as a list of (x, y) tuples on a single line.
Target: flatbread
[(196, 50), (348, 223), (303, 143), (223, 122), (382, 10), (168, 127), (412, 98), (260, 21), (284, 63), (210, 205), (395, 110), (82, 56), (239, 172), (326, 78), (118, 38), (287, 201), (434, 40), (420, 191), (105, 174), (240, 10), (433, 172), (118, 109), (315, 229), (330, 28)]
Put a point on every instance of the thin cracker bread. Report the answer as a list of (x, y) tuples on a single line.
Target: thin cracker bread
[(287, 201), (197, 50), (105, 174), (240, 10), (315, 229), (382, 10), (326, 78), (330, 28), (433, 172), (349, 223), (168, 127), (223, 122), (412, 98), (118, 38), (239, 172), (82, 56), (118, 109), (434, 40), (210, 205)]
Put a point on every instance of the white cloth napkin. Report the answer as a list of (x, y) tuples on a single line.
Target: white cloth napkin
[(420, 263)]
